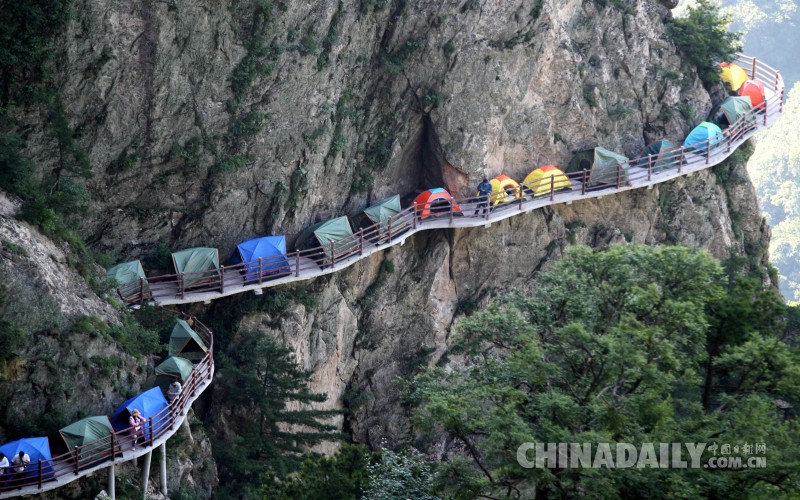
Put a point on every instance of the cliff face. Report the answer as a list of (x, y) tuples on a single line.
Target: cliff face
[(209, 122)]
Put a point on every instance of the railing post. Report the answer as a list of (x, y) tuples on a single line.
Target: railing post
[(753, 71), (583, 183), (260, 270), (521, 194), (389, 227), (680, 159), (333, 253), (77, 457), (619, 174), (451, 212), (765, 111), (141, 290), (708, 150), (113, 445), (649, 168), (150, 421), (180, 285), (297, 263), (222, 279), (414, 213), (40, 473), (361, 242)]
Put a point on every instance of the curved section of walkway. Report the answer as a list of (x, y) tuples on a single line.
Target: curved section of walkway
[(117, 448), (308, 264)]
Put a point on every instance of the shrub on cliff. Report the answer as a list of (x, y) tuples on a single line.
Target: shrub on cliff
[(703, 39)]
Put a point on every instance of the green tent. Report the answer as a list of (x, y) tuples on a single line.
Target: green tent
[(734, 108), (663, 154), (185, 342), (601, 165), (202, 261), (170, 369), (86, 433), (334, 230), (127, 272), (384, 209)]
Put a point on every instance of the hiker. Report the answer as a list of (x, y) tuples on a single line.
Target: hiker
[(19, 463), (4, 470), (484, 190), (137, 422), (174, 391)]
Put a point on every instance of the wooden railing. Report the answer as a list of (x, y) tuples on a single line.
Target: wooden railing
[(119, 445), (309, 263)]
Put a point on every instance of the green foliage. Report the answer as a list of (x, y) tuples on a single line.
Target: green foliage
[(159, 258), (589, 94), (26, 31), (377, 154), (258, 60), (394, 61), (12, 337), (308, 45), (400, 475), (229, 164), (247, 126), (620, 345), (331, 38), (342, 476), (262, 382), (703, 39), (449, 48)]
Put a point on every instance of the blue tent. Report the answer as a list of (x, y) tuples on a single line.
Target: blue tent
[(696, 140), (272, 251), (38, 448), (150, 404)]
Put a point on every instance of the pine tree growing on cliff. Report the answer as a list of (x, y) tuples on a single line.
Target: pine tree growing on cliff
[(271, 419)]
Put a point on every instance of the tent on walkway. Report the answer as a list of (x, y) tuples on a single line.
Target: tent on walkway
[(663, 156), (93, 436), (272, 252), (701, 137), (151, 404), (37, 448), (170, 369), (435, 202), (127, 272), (504, 189), (538, 181), (381, 212), (731, 110), (755, 91), (604, 167), (733, 75), (199, 263), (335, 236), (384, 209), (186, 343)]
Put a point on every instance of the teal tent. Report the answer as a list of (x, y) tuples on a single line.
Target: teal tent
[(734, 108), (185, 342), (93, 437), (335, 231), (170, 369), (199, 263), (701, 137), (127, 272), (603, 167), (384, 209), (662, 154)]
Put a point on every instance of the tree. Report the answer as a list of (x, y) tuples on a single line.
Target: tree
[(612, 347), (400, 476), (274, 419), (703, 39)]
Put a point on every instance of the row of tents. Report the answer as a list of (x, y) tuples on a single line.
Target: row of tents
[(92, 435), (267, 255)]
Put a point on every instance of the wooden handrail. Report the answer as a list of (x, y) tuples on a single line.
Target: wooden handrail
[(312, 262)]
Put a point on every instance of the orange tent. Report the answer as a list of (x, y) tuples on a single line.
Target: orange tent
[(504, 189), (755, 91), (435, 202)]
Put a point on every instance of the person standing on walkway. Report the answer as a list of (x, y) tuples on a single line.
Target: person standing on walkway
[(20, 462), (484, 190), (137, 426), (4, 470), (173, 391)]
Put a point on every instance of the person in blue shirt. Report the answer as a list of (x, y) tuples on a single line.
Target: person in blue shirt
[(484, 190)]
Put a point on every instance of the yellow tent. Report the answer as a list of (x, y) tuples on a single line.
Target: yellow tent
[(733, 75), (539, 181), (504, 189)]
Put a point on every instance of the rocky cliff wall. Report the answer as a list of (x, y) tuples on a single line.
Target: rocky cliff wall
[(210, 122)]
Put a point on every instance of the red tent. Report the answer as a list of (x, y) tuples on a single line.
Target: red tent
[(755, 91), (435, 203)]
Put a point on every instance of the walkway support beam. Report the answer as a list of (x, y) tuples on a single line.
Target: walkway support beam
[(112, 487), (146, 473), (163, 468)]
